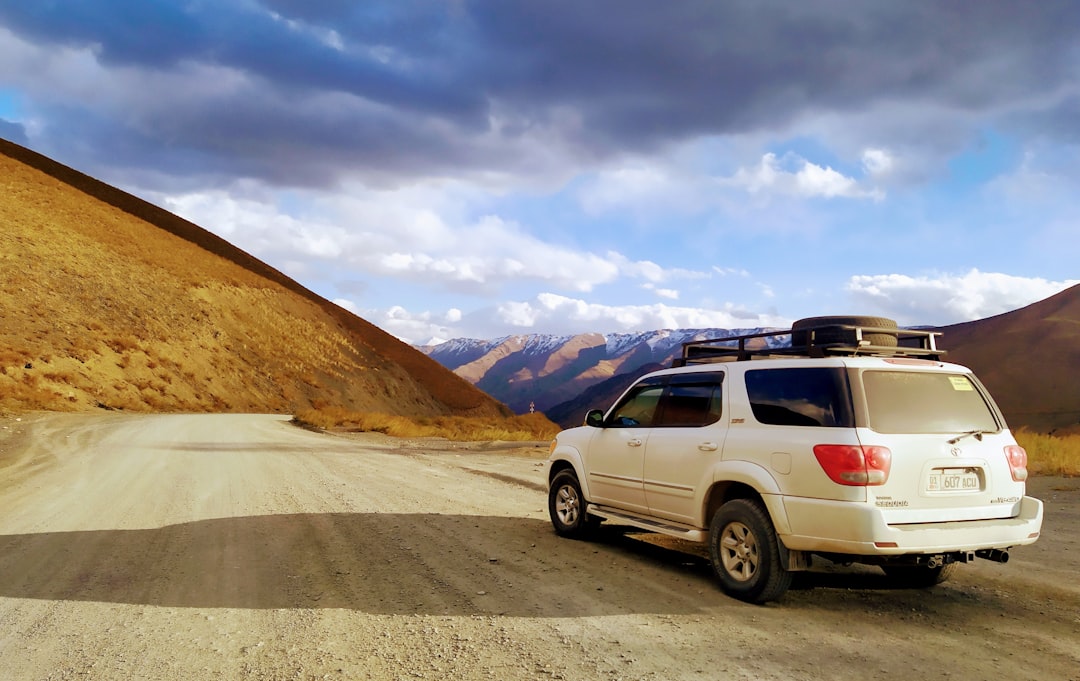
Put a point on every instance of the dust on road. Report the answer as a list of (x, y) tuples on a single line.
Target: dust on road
[(239, 546)]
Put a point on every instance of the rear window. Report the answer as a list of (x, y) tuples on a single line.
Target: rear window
[(800, 397), (925, 402)]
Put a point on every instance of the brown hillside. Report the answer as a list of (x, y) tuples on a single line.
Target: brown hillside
[(1029, 359), (110, 301)]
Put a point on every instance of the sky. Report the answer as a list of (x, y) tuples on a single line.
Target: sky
[(463, 169)]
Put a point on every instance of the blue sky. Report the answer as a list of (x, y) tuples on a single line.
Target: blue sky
[(479, 169)]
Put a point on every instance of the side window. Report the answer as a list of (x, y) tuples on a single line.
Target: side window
[(638, 408), (692, 400), (800, 397)]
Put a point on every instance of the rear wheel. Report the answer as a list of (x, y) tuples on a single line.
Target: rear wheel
[(745, 554), (918, 576), (568, 508)]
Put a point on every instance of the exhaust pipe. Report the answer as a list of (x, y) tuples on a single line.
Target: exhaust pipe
[(996, 555)]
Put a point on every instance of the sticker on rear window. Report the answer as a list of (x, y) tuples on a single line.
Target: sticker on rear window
[(960, 383)]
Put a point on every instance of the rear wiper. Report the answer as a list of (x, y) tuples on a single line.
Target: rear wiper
[(978, 434)]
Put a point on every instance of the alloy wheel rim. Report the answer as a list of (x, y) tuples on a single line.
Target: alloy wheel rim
[(567, 505), (739, 552)]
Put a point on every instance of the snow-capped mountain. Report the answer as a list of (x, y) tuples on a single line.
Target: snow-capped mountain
[(540, 371)]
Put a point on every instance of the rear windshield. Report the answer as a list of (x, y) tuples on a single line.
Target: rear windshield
[(925, 402)]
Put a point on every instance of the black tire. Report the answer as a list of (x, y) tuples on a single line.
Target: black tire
[(800, 334), (745, 554), (918, 576), (568, 508)]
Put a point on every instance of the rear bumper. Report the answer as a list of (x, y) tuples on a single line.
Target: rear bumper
[(859, 529)]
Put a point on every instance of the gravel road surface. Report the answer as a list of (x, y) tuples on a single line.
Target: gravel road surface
[(242, 547)]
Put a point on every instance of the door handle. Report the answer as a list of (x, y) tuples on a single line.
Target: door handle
[(708, 446), (633, 442)]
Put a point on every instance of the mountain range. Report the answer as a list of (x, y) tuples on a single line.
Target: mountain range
[(1028, 358), (541, 371)]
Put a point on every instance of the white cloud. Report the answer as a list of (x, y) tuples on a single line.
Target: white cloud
[(677, 184), (552, 313), (877, 161), (926, 300), (417, 328), (792, 175), (948, 298), (420, 234), (669, 293), (1045, 175), (644, 186)]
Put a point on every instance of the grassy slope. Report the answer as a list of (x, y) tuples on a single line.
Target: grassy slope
[(108, 300)]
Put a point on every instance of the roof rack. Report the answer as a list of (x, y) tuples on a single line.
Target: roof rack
[(825, 340)]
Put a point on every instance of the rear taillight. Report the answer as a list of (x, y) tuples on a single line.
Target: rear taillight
[(855, 465), (1017, 457)]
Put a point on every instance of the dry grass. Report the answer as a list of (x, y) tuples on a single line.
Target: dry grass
[(524, 428), (1051, 454), (108, 301)]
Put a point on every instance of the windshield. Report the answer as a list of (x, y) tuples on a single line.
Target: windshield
[(925, 402)]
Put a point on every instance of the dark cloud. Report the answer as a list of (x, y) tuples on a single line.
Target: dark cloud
[(283, 50), (403, 88), (145, 32), (712, 67)]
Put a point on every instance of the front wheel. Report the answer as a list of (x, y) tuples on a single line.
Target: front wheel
[(567, 507), (745, 554)]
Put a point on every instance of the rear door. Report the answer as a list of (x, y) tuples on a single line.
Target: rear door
[(948, 444), (687, 439)]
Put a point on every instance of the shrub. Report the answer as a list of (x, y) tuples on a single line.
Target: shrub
[(529, 427), (122, 344), (1051, 454)]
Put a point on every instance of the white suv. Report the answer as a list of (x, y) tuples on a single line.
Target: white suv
[(853, 441)]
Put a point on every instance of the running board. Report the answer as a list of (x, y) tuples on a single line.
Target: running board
[(650, 524)]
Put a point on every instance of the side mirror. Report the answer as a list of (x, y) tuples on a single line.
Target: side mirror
[(595, 418)]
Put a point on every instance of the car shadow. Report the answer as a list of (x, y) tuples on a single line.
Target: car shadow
[(379, 563), (827, 585), (383, 563)]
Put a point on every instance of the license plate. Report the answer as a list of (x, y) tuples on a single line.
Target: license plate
[(954, 481)]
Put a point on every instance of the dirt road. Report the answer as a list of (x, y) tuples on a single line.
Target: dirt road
[(191, 547)]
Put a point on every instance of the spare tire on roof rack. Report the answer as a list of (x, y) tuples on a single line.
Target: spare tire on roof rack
[(826, 331)]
